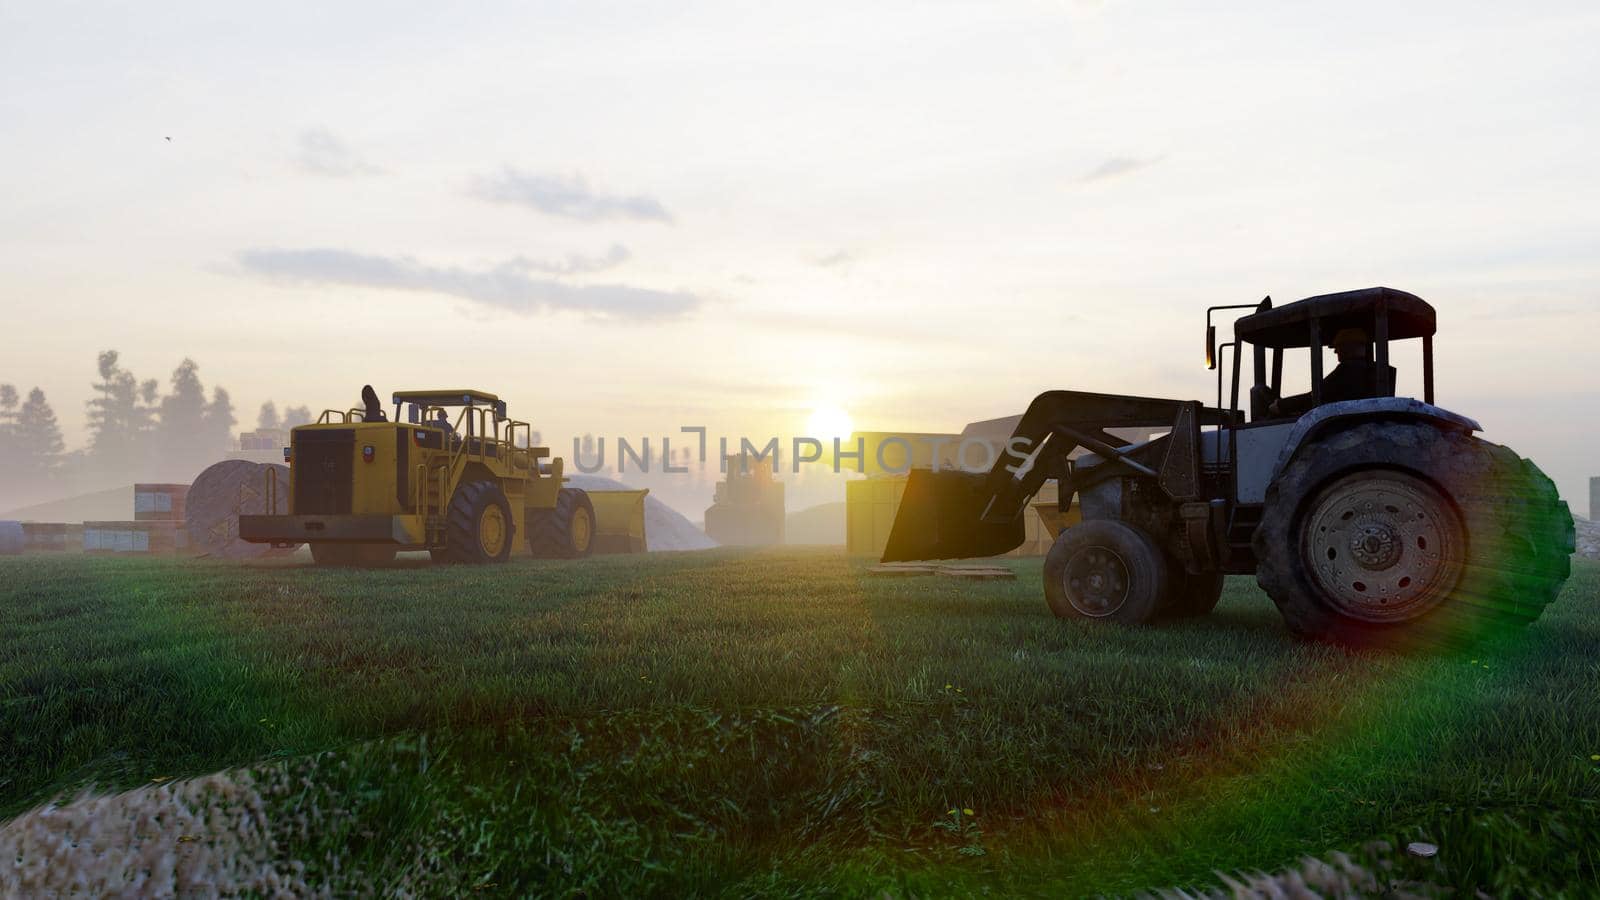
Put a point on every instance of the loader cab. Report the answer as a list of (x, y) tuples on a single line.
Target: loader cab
[(1272, 333), (469, 413)]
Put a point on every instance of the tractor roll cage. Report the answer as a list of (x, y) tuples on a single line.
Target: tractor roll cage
[(1384, 313)]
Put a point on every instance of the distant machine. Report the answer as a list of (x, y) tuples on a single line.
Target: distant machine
[(748, 507), (452, 474)]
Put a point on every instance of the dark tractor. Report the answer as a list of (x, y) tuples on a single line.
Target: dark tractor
[(1366, 517)]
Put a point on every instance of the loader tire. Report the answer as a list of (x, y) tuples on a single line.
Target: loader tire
[(566, 530), (1106, 570), (360, 555), (479, 528), (1192, 593), (1407, 534)]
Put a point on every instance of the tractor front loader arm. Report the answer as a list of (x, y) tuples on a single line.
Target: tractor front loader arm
[(955, 514)]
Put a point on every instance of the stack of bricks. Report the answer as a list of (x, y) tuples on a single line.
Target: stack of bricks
[(157, 527)]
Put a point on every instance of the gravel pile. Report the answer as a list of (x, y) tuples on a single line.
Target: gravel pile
[(664, 527), (1339, 876), (202, 838)]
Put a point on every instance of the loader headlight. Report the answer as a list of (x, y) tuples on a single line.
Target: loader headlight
[(288, 454), (368, 453)]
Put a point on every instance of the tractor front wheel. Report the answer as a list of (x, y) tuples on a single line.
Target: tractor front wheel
[(1106, 570), (479, 528), (566, 530)]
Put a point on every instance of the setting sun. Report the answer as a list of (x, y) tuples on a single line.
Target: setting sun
[(828, 422)]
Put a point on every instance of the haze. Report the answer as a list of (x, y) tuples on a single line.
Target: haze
[(629, 218)]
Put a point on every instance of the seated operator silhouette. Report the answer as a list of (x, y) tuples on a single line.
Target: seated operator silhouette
[(1354, 378)]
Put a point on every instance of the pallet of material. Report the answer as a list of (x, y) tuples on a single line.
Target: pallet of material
[(145, 538), (52, 537), (159, 502)]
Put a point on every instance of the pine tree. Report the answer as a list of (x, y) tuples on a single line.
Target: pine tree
[(296, 415), (114, 414), (8, 442), (38, 439), (267, 419), (217, 424), (145, 418)]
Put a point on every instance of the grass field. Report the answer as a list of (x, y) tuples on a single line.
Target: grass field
[(752, 723)]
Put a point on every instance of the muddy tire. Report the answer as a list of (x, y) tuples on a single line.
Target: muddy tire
[(1105, 570), (479, 528), (1405, 533), (360, 555), (565, 531)]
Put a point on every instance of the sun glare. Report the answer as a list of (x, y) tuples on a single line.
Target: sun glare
[(828, 422)]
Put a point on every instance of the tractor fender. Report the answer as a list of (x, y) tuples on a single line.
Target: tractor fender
[(1345, 413)]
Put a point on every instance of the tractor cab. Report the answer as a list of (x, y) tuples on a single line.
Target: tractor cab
[(1361, 323)]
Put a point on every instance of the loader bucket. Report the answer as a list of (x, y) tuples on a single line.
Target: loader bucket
[(941, 517), (618, 521)]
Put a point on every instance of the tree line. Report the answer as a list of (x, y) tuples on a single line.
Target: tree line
[(135, 433)]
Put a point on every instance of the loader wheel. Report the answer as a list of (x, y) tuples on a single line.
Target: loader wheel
[(479, 528), (1404, 533), (1106, 570), (565, 531), (363, 555), (1192, 594)]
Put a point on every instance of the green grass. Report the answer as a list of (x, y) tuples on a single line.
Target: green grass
[(747, 723)]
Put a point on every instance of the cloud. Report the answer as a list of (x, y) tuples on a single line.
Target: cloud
[(839, 258), (1116, 167), (508, 286), (576, 263), (322, 153), (567, 196)]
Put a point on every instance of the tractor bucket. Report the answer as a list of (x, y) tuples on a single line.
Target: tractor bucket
[(941, 517), (618, 521)]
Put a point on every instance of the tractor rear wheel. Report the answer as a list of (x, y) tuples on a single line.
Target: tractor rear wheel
[(1394, 532), (479, 527), (1105, 570), (364, 555), (566, 530), (1192, 593)]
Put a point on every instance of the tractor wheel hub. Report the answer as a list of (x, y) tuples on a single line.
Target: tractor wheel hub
[(1382, 546), (1374, 546), (1096, 581)]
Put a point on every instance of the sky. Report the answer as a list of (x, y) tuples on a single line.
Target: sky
[(629, 218)]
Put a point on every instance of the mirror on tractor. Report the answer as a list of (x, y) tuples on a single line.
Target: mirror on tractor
[(1211, 346)]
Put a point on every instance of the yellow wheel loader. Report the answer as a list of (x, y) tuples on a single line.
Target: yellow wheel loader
[(457, 478)]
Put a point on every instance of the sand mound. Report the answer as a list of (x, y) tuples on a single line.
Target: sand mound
[(664, 527)]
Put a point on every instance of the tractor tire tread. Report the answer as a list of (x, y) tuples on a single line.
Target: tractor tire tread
[(1518, 532)]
